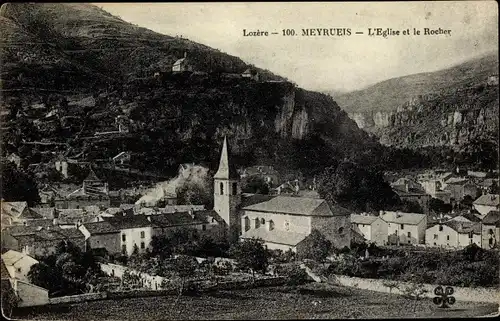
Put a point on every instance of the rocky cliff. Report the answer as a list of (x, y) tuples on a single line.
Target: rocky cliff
[(70, 70), (453, 119)]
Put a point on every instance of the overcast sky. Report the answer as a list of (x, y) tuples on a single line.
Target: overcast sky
[(324, 63)]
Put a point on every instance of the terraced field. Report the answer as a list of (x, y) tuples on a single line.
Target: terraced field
[(311, 301)]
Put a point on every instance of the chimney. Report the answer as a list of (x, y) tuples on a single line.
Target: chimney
[(149, 218), (54, 221), (185, 54), (191, 213)]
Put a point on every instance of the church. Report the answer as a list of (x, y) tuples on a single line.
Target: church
[(282, 222)]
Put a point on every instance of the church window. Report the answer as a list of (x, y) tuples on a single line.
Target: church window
[(235, 189), (262, 221), (247, 223), (257, 221), (221, 188)]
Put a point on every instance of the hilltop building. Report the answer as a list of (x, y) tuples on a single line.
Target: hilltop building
[(182, 65)]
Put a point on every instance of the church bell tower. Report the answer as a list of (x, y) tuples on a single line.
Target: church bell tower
[(227, 193)]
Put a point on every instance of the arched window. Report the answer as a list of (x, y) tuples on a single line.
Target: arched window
[(221, 188), (235, 189), (341, 230), (271, 225), (262, 221)]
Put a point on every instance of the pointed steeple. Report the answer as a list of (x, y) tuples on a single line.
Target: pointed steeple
[(226, 169)]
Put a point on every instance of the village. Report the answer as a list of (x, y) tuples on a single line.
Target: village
[(458, 209), (151, 176)]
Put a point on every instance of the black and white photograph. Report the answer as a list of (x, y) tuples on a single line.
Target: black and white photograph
[(249, 160)]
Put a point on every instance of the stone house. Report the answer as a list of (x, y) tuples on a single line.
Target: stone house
[(490, 230), (373, 228), (93, 192), (28, 294), (486, 203), (182, 65), (40, 241), (414, 195), (453, 233), (251, 74), (403, 227), (17, 213)]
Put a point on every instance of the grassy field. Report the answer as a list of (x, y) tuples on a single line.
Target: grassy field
[(310, 301)]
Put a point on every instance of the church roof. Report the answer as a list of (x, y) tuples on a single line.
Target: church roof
[(275, 236), (298, 206), (226, 168)]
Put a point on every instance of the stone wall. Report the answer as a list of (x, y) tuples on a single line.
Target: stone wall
[(491, 295), (78, 298)]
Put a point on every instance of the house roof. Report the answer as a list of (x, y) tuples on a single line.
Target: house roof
[(128, 221), (17, 259), (250, 199), (20, 230), (467, 216), (493, 217), (14, 209), (410, 192), (464, 227), (363, 219), (54, 234), (92, 177), (44, 222), (43, 212), (487, 200), (275, 236), (75, 215), (226, 167), (180, 61), (402, 218), (175, 219), (88, 192), (121, 155), (102, 227), (298, 206), (456, 181), (260, 170)]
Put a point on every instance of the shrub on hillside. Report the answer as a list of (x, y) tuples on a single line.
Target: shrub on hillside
[(294, 274)]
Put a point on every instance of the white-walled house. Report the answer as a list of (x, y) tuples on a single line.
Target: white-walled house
[(373, 228), (486, 203), (453, 233), (18, 264), (408, 228), (121, 233)]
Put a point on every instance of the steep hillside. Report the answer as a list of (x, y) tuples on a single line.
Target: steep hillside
[(449, 119), (388, 95), (73, 70)]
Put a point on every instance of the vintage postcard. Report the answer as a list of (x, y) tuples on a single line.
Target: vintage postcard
[(249, 160)]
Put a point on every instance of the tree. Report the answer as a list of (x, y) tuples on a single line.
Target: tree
[(251, 254), (356, 188), (316, 247), (256, 184), (43, 275), (17, 185), (184, 266)]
